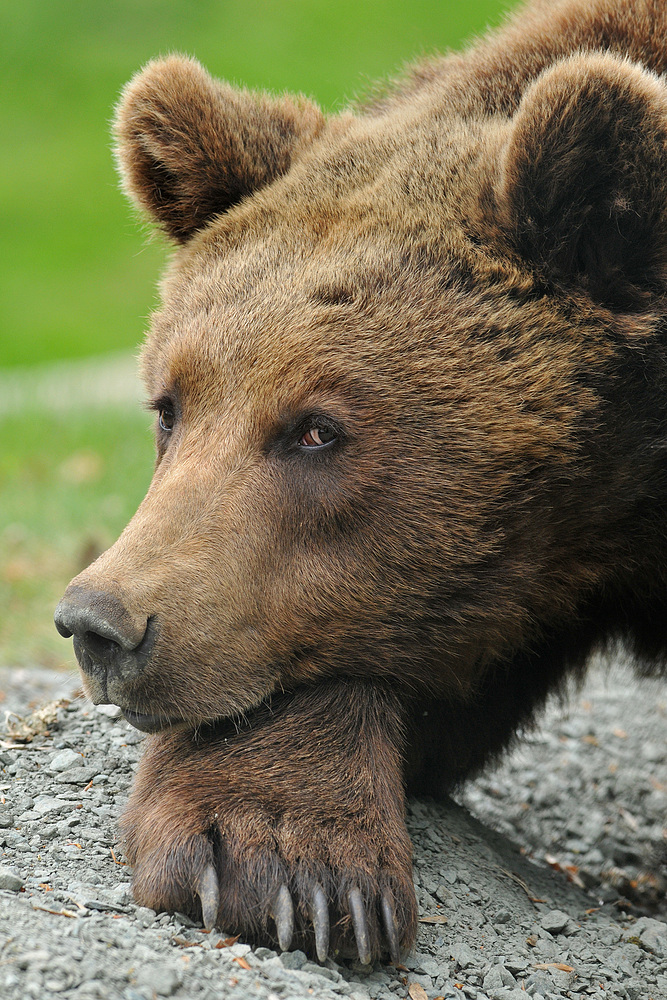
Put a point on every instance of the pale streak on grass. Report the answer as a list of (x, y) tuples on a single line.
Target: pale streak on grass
[(63, 386)]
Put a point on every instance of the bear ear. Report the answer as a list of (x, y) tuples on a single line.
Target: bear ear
[(190, 147), (582, 191)]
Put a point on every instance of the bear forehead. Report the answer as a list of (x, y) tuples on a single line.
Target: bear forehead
[(312, 311)]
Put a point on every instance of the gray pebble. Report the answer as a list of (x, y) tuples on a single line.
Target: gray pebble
[(77, 775), (498, 977), (425, 981), (10, 879), (45, 804), (6, 818), (321, 970), (240, 950), (144, 915), (110, 711), (652, 934), (293, 959), (65, 759), (162, 980), (264, 953), (91, 833), (449, 876), (554, 921), (463, 954)]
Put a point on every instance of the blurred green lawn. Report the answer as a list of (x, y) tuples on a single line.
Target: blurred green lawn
[(79, 271)]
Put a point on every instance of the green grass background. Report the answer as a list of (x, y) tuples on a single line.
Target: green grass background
[(79, 270)]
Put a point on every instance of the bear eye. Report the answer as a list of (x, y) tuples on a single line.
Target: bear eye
[(318, 437), (166, 419)]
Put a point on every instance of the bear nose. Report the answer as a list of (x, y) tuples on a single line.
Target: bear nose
[(111, 645), (100, 614)]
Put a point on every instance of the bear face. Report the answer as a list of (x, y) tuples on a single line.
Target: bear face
[(409, 381), (321, 346)]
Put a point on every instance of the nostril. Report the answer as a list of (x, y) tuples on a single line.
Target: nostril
[(62, 628), (99, 646)]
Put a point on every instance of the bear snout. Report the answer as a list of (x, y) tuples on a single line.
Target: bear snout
[(111, 646)]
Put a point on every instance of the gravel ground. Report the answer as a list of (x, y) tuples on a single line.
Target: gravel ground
[(577, 911)]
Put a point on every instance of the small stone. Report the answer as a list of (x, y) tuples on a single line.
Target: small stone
[(111, 711), (77, 775), (91, 834), (10, 879), (462, 954), (161, 979), (6, 819), (65, 759), (102, 905), (538, 982), (653, 752), (45, 804), (263, 954), (425, 982), (428, 965), (515, 965), (652, 934), (321, 970), (449, 876), (293, 959), (145, 916), (240, 951), (132, 738), (55, 985), (120, 894), (378, 977), (554, 921)]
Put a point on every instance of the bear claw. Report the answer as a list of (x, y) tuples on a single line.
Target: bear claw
[(360, 925), (390, 927), (209, 896), (283, 916), (321, 923)]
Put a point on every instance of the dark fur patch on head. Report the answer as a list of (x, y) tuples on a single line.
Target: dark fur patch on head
[(577, 190), (333, 295)]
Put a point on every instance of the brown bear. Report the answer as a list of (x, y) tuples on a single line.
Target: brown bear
[(410, 379)]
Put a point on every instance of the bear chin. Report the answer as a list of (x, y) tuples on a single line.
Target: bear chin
[(152, 723)]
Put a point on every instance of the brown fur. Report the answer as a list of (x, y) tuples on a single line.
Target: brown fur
[(464, 281)]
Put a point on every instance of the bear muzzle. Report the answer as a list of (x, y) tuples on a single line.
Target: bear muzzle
[(112, 648)]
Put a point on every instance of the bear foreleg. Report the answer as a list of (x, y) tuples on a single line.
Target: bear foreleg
[(288, 828)]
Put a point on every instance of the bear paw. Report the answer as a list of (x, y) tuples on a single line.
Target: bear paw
[(341, 912), (277, 855)]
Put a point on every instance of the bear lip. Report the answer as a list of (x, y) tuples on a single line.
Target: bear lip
[(148, 723)]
